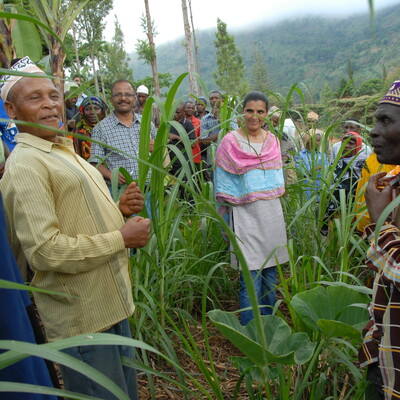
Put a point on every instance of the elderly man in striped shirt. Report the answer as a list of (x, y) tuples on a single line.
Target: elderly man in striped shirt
[(62, 220), (381, 347)]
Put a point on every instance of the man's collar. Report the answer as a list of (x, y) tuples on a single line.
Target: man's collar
[(209, 115), (39, 143), (136, 118)]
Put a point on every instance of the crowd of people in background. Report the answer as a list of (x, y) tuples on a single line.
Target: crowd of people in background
[(71, 159)]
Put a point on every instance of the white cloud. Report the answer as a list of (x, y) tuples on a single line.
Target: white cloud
[(167, 14)]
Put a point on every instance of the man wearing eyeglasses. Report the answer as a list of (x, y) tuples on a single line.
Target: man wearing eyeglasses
[(121, 130)]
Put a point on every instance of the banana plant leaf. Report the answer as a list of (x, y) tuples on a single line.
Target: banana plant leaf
[(25, 37), (283, 346)]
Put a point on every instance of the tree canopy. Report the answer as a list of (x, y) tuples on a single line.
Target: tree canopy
[(230, 75)]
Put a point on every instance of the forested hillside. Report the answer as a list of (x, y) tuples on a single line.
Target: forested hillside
[(308, 50)]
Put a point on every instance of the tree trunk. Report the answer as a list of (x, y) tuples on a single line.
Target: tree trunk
[(103, 90), (78, 63), (6, 49), (57, 58), (96, 82), (189, 53), (152, 45), (196, 47)]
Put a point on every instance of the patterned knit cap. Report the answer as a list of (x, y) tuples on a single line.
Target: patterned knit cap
[(8, 81), (393, 95)]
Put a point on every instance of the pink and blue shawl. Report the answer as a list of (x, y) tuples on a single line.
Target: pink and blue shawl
[(244, 177)]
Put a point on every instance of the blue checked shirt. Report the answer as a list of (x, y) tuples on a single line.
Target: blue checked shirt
[(209, 125), (116, 134)]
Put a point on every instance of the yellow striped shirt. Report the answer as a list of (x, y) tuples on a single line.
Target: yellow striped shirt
[(61, 216)]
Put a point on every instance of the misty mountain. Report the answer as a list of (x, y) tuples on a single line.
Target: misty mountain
[(310, 51)]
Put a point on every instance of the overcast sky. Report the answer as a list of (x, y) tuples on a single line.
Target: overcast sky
[(167, 14)]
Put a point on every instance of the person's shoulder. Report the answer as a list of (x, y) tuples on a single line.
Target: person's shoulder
[(207, 117), (230, 137), (104, 122), (105, 125), (372, 160), (188, 125), (27, 160), (289, 123)]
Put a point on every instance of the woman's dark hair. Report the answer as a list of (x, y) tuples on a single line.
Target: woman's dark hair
[(255, 96)]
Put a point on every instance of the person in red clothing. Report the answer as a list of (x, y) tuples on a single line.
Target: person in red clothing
[(189, 115)]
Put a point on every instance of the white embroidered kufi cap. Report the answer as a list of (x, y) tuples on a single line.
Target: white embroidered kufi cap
[(8, 81)]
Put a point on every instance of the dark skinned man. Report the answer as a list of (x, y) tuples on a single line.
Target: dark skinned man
[(380, 350)]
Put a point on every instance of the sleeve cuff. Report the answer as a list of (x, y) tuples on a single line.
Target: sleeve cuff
[(369, 230), (116, 241)]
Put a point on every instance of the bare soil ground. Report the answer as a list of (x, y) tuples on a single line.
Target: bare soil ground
[(221, 350)]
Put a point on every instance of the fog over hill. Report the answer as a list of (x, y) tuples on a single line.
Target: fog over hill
[(310, 51)]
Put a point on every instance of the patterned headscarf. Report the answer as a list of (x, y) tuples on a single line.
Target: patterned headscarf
[(83, 127), (94, 100), (393, 94), (8, 81)]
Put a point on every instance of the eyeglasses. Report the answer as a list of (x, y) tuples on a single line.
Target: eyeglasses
[(121, 95)]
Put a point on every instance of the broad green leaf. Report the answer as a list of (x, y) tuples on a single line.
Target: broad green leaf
[(144, 142), (284, 347), (114, 184), (127, 176), (245, 366), (335, 311), (26, 38), (336, 329), (34, 21)]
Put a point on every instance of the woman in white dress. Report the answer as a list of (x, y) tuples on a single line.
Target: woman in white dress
[(248, 183)]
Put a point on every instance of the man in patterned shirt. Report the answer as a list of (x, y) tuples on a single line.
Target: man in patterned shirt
[(121, 130), (380, 350)]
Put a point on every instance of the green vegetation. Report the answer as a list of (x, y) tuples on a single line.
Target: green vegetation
[(230, 76), (259, 78), (182, 278), (89, 29), (114, 58)]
